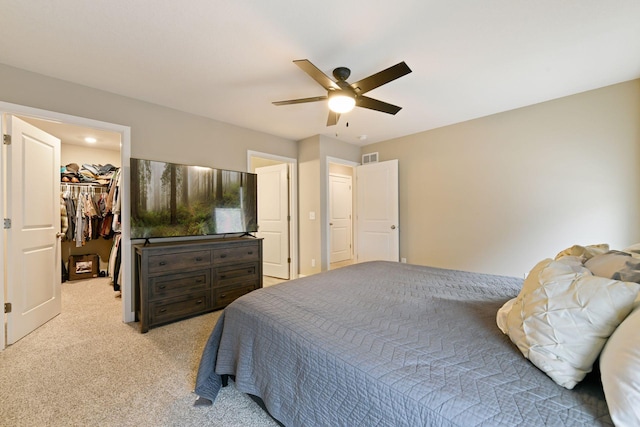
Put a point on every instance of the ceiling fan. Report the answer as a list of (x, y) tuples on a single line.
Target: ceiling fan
[(343, 96)]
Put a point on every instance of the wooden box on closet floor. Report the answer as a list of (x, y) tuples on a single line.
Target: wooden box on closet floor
[(181, 279), (83, 266)]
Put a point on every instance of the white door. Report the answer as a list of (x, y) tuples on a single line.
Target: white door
[(273, 219), (340, 206), (378, 234), (33, 247)]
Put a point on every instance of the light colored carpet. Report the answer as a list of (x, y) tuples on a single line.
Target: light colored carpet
[(85, 367)]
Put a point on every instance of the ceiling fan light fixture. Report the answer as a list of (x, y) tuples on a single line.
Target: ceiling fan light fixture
[(340, 103)]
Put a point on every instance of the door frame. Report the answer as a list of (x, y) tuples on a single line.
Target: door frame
[(327, 213), (128, 314), (293, 203)]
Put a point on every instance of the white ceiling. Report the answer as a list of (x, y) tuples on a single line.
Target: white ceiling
[(75, 135), (228, 60)]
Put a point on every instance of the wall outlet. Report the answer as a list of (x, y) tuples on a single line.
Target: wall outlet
[(403, 260), (313, 262), (312, 215)]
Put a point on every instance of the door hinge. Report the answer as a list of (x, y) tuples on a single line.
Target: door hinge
[(7, 223), (7, 307), (288, 217), (289, 260), (6, 139)]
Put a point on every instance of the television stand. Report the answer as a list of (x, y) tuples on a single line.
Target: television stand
[(176, 280)]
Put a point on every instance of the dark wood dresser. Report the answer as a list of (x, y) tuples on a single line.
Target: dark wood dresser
[(181, 279)]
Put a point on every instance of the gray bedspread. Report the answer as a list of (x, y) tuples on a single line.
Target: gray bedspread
[(388, 344)]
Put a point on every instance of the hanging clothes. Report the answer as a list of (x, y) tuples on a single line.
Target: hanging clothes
[(92, 211)]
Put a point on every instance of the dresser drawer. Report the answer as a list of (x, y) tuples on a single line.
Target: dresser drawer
[(177, 308), (233, 274), (238, 253), (177, 261), (225, 296), (173, 285)]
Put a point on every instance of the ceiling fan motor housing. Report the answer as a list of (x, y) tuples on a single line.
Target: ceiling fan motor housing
[(341, 73)]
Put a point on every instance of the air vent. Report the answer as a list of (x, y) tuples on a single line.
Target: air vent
[(369, 158)]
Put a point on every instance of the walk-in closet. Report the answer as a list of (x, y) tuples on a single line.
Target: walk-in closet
[(90, 173)]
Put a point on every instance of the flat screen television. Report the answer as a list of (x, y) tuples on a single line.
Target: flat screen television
[(173, 200)]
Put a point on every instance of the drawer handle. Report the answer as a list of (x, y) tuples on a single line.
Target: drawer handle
[(223, 296), (199, 302), (250, 252), (223, 276), (162, 263), (162, 310), (250, 270), (199, 280), (162, 286), (198, 259), (223, 255)]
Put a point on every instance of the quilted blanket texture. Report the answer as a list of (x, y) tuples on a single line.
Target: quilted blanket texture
[(388, 344)]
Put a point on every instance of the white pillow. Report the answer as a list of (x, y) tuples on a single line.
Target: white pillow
[(583, 252), (620, 372), (563, 316)]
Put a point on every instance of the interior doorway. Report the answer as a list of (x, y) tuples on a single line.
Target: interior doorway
[(277, 213), (340, 212), (48, 119), (96, 156)]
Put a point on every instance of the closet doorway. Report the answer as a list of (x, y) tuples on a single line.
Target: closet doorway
[(6, 111), (92, 160)]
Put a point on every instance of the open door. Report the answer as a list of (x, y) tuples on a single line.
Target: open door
[(273, 219), (377, 220), (33, 247), (340, 207)]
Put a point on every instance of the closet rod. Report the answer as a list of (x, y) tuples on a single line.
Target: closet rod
[(79, 187)]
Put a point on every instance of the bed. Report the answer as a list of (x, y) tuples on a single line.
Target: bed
[(388, 344)]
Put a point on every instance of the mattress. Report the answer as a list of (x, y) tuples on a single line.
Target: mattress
[(388, 344)]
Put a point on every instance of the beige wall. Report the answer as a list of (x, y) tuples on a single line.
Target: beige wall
[(257, 162), (157, 133), (340, 169), (70, 153), (309, 230), (500, 193)]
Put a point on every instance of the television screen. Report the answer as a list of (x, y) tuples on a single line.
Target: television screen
[(171, 200)]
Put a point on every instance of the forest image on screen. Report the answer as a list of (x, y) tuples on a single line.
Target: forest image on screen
[(171, 200)]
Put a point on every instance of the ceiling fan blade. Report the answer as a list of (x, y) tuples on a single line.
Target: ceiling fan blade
[(300, 101), (316, 74), (374, 104), (333, 118), (383, 77)]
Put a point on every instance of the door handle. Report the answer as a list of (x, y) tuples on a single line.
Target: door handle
[(330, 223), (59, 235), (393, 227)]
